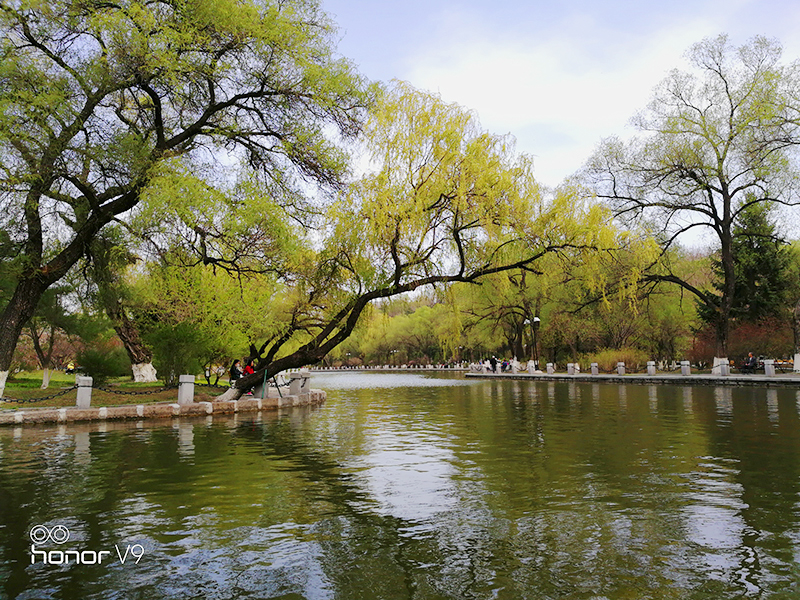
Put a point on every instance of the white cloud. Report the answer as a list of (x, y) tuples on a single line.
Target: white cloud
[(555, 95), (558, 76)]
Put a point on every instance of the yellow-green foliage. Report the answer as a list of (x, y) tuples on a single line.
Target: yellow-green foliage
[(634, 359), (228, 315), (443, 191)]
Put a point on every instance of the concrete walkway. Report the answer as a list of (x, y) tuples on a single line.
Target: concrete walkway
[(783, 380)]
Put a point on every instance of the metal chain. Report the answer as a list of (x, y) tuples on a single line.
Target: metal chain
[(31, 400), (123, 393)]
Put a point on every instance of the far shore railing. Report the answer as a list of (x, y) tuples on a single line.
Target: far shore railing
[(722, 368)]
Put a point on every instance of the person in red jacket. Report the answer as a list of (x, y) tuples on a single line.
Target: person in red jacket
[(248, 367), (249, 370)]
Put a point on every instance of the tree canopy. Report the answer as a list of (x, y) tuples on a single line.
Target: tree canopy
[(444, 202), (95, 97), (714, 143)]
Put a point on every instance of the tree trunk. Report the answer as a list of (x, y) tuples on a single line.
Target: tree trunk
[(44, 357), (729, 288), (144, 372), (519, 351), (128, 332), (796, 323), (17, 312), (46, 378)]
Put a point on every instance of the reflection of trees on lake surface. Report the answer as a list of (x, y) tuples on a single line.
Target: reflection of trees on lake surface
[(513, 489)]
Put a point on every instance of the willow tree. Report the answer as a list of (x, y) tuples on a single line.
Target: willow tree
[(443, 201), (713, 143), (95, 95)]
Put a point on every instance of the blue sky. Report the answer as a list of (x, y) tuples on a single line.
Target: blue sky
[(559, 76)]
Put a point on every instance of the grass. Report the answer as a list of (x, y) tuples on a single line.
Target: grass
[(27, 386)]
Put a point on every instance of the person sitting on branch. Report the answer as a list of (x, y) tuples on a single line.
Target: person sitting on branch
[(235, 371)]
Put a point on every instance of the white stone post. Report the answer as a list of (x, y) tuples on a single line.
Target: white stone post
[(84, 399), (570, 368), (531, 367), (651, 367), (550, 369), (305, 386), (769, 367), (620, 368), (718, 363), (595, 369), (686, 368), (186, 389), (295, 383), (725, 369)]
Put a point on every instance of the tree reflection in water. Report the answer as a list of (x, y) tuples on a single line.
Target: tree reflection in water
[(422, 486)]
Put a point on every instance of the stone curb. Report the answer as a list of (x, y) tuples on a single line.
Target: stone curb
[(161, 410)]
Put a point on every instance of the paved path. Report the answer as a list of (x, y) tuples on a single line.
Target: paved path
[(782, 380)]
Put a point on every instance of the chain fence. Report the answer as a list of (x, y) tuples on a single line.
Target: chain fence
[(130, 393), (42, 399), (272, 382)]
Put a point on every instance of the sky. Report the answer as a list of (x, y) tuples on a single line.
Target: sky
[(557, 75)]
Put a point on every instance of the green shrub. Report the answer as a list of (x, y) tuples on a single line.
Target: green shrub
[(104, 361), (177, 350)]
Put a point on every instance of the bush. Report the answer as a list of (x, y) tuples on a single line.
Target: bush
[(104, 361), (607, 359), (177, 350)]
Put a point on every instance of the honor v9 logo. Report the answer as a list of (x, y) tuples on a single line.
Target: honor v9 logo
[(46, 538)]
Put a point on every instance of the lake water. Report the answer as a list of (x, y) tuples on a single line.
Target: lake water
[(417, 486)]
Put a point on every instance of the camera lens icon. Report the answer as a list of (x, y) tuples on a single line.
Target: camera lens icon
[(58, 534)]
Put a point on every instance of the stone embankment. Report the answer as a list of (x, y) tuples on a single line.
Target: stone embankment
[(156, 410), (666, 379)]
